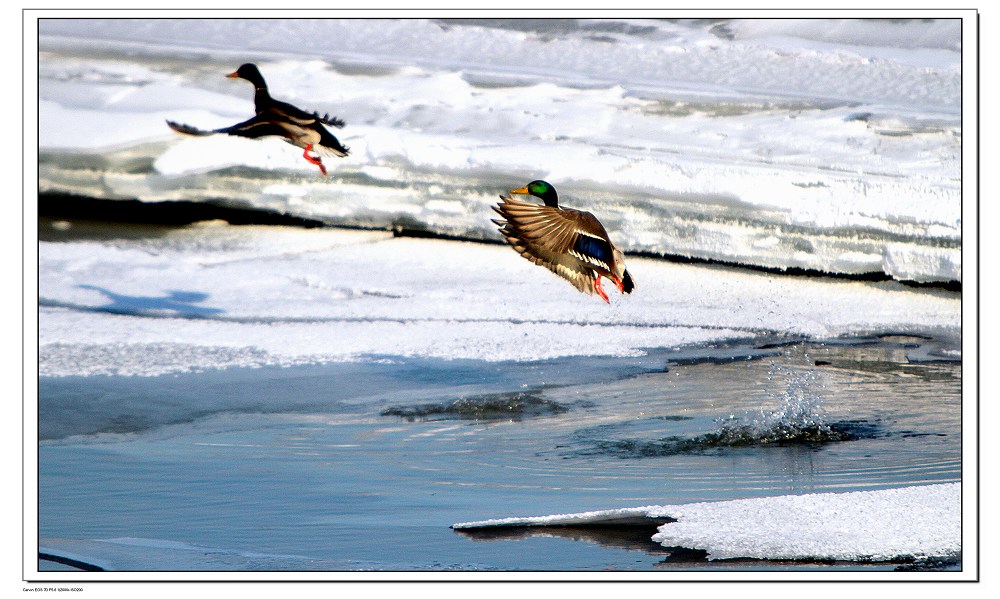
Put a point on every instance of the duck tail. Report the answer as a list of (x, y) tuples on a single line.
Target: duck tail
[(627, 283), (340, 151), (330, 145)]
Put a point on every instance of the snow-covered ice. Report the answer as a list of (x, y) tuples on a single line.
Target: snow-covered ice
[(912, 522), (215, 296), (829, 145)]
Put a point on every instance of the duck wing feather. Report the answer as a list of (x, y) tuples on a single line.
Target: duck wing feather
[(571, 243), (254, 128)]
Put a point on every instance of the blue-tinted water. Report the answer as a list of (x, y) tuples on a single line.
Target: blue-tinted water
[(365, 466)]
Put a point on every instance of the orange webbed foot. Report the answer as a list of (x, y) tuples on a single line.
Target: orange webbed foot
[(314, 159), (600, 290)]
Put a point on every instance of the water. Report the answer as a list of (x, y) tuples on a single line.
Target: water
[(358, 467)]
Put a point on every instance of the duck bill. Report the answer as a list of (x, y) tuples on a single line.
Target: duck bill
[(233, 75), (522, 190)]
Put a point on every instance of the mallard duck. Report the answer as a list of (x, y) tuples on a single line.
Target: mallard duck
[(279, 119), (571, 243)]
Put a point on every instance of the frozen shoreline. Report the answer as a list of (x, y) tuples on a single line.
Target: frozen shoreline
[(797, 145)]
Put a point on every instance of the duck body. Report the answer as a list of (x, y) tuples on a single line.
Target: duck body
[(275, 118), (571, 243)]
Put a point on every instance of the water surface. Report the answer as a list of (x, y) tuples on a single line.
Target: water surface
[(365, 466)]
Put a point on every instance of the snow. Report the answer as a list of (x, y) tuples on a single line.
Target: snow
[(216, 296), (906, 523), (688, 138)]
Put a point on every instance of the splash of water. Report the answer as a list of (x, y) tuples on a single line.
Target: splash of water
[(798, 418), (791, 414)]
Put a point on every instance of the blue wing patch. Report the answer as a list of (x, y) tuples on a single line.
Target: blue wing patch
[(594, 247)]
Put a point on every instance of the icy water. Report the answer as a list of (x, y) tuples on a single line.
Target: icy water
[(364, 466)]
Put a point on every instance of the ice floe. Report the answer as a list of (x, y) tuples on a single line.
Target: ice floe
[(892, 524)]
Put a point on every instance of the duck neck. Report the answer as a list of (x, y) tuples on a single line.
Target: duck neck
[(260, 95)]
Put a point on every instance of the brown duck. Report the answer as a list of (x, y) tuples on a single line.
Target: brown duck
[(571, 243), (275, 118)]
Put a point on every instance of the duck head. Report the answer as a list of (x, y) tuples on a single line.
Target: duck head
[(542, 190), (251, 73)]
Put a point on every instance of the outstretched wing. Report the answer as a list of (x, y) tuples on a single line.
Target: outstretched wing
[(567, 242), (253, 128), (188, 129)]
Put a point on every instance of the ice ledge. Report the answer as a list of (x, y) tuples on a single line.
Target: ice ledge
[(910, 522)]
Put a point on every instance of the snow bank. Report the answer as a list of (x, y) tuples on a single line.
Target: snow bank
[(799, 144)]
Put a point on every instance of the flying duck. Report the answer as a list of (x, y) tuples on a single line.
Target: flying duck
[(275, 118), (571, 243)]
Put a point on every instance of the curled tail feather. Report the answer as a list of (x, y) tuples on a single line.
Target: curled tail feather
[(332, 121)]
